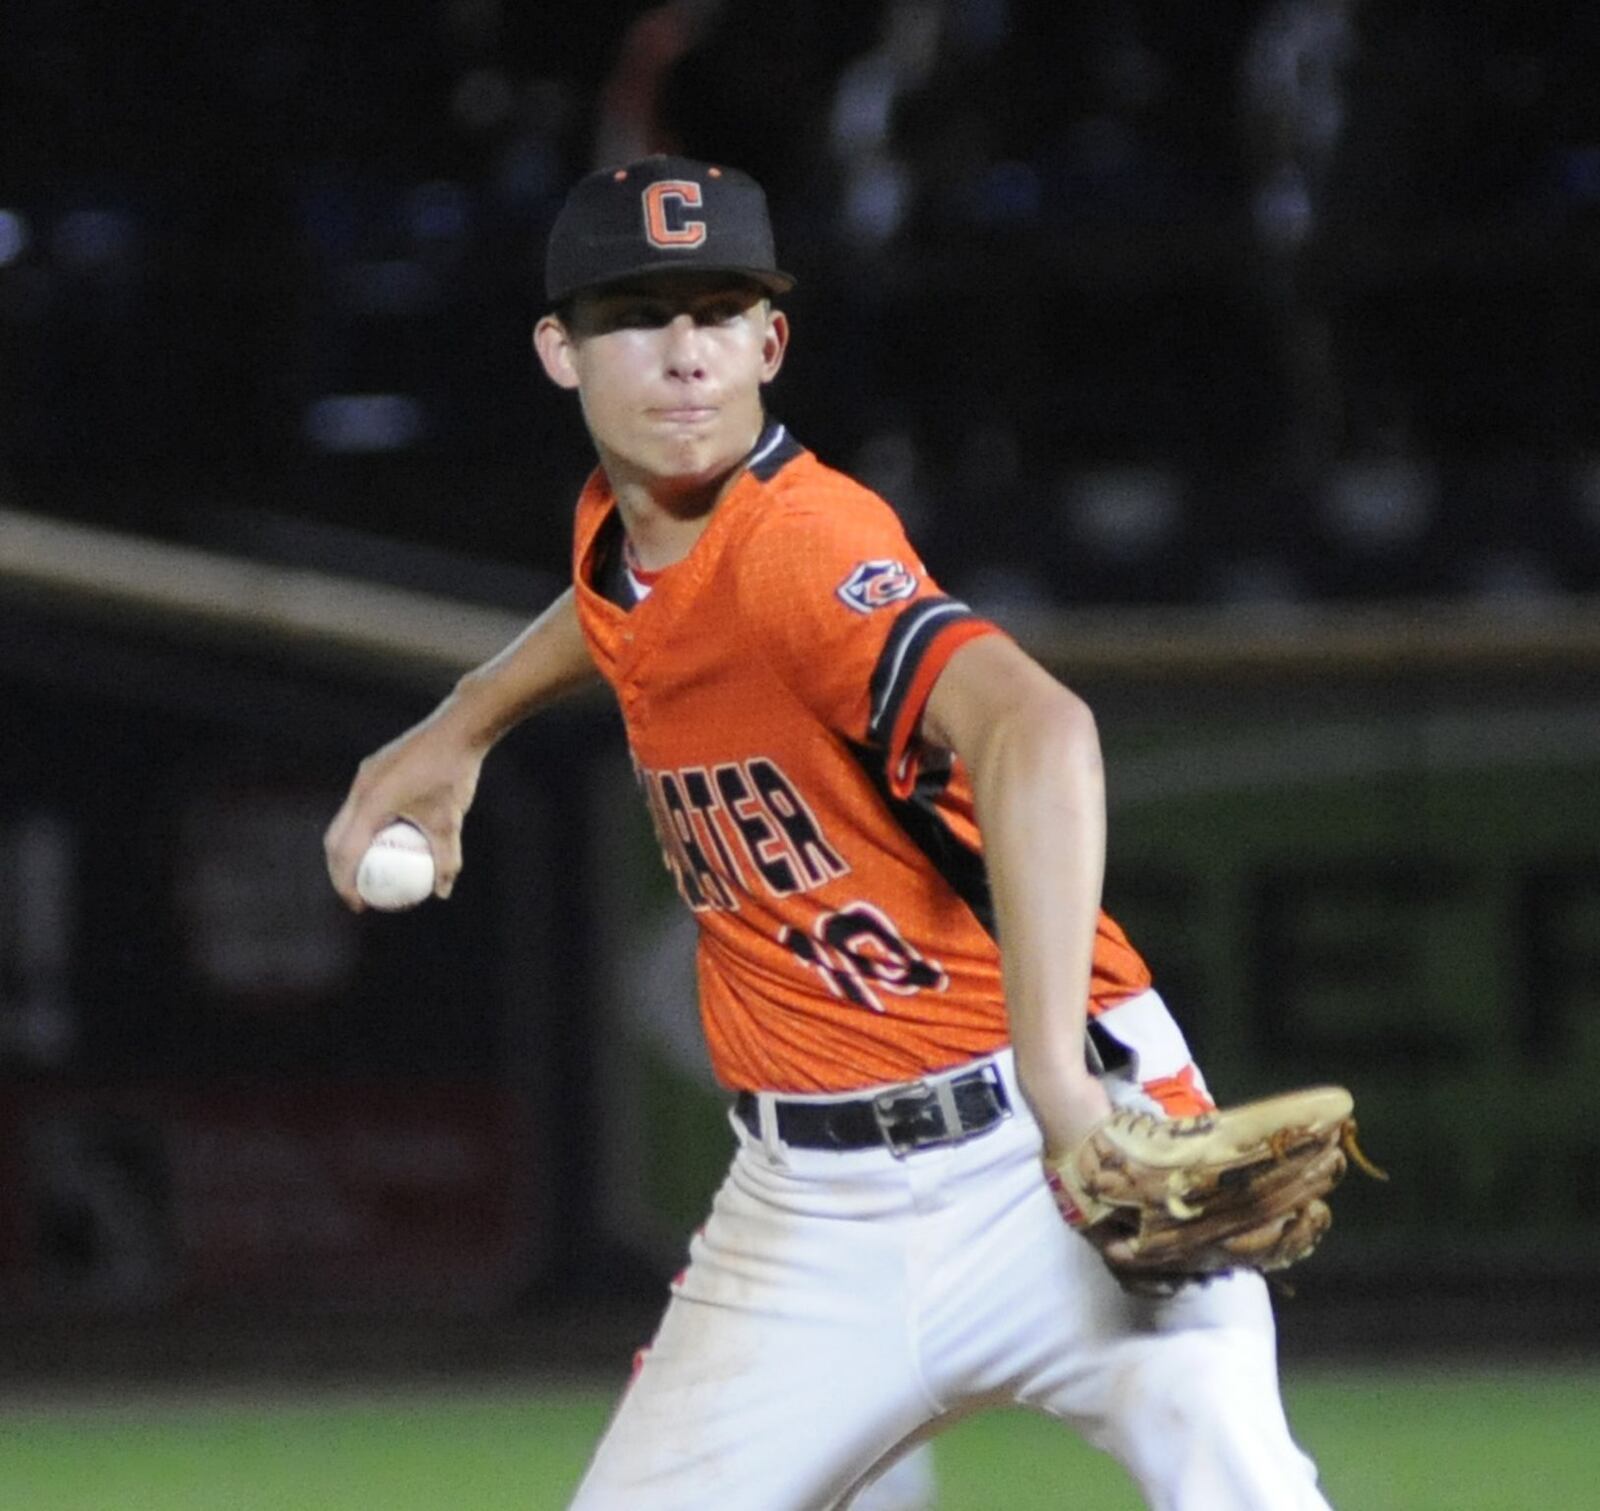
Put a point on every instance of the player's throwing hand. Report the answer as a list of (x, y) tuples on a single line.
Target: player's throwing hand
[(428, 776)]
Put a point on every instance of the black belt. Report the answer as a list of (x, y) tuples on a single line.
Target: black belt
[(917, 1115)]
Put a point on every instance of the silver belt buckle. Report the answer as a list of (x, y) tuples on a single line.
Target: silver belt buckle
[(888, 1106), (925, 1097)]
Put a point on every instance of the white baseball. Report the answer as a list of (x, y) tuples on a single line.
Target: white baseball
[(397, 870)]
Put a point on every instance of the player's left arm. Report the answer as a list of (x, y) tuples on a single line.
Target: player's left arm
[(1033, 753)]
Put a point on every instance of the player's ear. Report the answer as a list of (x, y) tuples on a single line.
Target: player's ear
[(555, 346), (774, 344)]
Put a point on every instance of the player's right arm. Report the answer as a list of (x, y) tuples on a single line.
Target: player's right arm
[(429, 774)]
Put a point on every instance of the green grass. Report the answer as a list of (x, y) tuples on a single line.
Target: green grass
[(1387, 1440)]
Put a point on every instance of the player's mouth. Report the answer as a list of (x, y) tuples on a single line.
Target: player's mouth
[(686, 414)]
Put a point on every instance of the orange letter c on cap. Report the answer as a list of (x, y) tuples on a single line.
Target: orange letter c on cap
[(687, 193)]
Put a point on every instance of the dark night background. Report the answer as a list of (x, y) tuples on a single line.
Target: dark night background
[(1118, 304), (1283, 309)]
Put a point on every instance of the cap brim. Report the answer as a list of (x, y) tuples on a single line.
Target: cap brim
[(773, 280)]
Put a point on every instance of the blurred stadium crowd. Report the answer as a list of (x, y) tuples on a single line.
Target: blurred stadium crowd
[(1137, 301)]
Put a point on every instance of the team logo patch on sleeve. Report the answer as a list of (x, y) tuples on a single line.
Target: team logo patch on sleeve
[(875, 585)]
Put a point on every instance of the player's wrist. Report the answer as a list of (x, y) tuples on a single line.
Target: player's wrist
[(1067, 1107)]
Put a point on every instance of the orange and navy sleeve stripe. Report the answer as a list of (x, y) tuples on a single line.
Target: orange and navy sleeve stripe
[(919, 646)]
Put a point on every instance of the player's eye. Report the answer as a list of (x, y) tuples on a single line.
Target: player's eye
[(642, 316), (722, 312)]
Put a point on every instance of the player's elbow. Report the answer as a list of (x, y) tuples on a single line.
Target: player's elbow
[(1069, 724), (1065, 727), (993, 705), (1050, 730)]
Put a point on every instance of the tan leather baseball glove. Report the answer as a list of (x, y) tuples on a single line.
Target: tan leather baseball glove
[(1166, 1200)]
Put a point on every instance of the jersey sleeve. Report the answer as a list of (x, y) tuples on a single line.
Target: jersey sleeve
[(833, 596)]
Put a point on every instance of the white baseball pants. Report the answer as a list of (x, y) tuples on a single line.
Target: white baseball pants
[(838, 1306)]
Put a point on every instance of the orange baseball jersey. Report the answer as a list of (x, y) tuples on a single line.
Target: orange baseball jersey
[(772, 684)]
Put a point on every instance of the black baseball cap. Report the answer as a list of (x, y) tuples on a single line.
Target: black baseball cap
[(661, 214)]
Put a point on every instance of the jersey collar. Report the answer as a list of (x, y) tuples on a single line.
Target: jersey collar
[(774, 449)]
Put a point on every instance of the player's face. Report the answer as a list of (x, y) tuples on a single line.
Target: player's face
[(669, 371)]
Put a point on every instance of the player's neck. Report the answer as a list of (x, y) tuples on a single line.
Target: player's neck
[(664, 523), (659, 536)]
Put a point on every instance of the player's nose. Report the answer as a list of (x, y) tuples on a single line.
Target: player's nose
[(685, 348)]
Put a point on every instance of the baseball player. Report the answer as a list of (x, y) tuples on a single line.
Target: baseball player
[(888, 823)]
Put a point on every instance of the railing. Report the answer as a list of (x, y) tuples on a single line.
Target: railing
[(89, 570)]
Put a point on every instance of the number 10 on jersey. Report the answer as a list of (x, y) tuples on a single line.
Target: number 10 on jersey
[(858, 952)]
